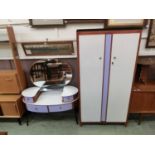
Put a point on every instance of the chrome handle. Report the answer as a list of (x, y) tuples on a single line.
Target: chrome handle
[(100, 58)]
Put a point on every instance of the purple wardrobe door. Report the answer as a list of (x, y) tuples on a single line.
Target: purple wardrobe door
[(107, 57)]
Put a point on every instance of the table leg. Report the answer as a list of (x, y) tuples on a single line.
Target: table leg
[(76, 116), (76, 112), (19, 121), (140, 119), (27, 118)]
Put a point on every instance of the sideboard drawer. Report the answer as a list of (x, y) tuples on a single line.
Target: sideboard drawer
[(37, 108), (59, 108)]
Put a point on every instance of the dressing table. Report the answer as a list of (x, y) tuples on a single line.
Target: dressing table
[(51, 92)]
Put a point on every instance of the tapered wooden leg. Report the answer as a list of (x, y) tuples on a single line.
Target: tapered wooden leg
[(80, 124), (126, 124)]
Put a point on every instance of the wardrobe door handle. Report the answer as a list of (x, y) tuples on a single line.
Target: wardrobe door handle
[(100, 58)]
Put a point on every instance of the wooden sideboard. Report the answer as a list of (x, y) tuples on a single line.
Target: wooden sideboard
[(11, 106), (143, 99), (143, 92)]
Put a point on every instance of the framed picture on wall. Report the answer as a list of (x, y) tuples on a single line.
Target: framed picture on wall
[(125, 23), (46, 22), (48, 48), (151, 35)]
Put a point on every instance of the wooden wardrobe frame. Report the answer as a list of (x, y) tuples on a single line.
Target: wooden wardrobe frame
[(101, 31)]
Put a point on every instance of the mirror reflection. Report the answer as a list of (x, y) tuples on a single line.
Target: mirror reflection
[(50, 73)]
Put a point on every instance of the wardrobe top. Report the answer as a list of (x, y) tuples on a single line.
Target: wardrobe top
[(111, 31)]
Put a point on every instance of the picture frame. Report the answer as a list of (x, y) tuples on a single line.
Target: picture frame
[(150, 43), (46, 22), (125, 23), (48, 48)]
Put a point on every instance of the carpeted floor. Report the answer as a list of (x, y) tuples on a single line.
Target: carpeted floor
[(64, 124)]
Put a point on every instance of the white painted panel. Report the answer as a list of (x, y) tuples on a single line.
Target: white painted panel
[(5, 51), (91, 48), (3, 35), (145, 51), (25, 33), (124, 48), (13, 21)]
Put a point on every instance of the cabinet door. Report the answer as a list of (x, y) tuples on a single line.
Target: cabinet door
[(9, 109), (91, 56), (123, 58), (9, 84)]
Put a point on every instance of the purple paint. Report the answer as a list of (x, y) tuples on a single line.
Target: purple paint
[(37, 108), (59, 108), (107, 56), (28, 99)]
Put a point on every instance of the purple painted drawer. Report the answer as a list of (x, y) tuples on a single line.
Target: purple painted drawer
[(59, 108), (37, 108), (27, 99), (67, 99)]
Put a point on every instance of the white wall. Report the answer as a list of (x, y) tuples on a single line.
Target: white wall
[(145, 51), (24, 33)]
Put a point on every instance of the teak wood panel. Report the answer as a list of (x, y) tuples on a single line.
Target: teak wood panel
[(11, 106), (91, 56), (9, 83), (9, 98), (142, 102), (124, 54), (18, 66), (9, 109)]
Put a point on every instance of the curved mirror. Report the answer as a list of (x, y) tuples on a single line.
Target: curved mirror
[(50, 73)]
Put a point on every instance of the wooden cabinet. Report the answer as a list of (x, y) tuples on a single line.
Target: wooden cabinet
[(12, 82), (11, 106), (9, 109), (143, 102), (106, 69), (143, 92), (9, 82)]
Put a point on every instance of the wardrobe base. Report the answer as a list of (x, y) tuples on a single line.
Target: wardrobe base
[(103, 123)]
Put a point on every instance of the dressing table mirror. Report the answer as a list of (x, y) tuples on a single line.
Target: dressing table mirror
[(51, 91), (50, 74)]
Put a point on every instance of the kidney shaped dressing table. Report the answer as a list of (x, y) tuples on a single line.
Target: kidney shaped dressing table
[(51, 92)]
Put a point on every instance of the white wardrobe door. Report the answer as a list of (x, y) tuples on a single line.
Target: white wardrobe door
[(124, 52), (91, 48)]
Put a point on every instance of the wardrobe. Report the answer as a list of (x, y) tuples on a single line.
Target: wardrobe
[(106, 63)]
